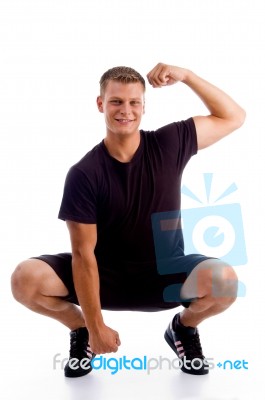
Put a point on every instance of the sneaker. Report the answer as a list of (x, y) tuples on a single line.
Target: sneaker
[(185, 342), (79, 363)]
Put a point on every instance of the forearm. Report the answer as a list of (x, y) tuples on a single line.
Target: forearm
[(102, 338), (86, 281), (220, 104)]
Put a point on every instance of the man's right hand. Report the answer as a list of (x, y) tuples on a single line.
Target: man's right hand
[(105, 340)]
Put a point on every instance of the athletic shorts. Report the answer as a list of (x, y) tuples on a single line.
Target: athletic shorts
[(131, 288)]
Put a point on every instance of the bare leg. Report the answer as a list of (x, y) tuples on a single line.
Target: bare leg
[(35, 285), (214, 284)]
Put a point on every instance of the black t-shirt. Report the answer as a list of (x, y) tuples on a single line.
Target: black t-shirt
[(121, 198)]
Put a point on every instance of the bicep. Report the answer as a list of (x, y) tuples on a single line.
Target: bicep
[(83, 237), (210, 129)]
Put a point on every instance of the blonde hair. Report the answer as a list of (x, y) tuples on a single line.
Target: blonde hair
[(120, 74)]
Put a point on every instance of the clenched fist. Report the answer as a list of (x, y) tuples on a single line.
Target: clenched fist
[(104, 340), (165, 75)]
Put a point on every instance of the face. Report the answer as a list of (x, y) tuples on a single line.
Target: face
[(123, 107)]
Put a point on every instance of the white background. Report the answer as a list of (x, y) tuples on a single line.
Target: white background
[(52, 55)]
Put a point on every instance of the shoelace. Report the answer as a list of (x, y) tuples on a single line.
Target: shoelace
[(79, 347), (192, 346)]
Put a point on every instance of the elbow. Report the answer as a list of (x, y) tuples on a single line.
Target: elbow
[(82, 256), (239, 119), (242, 117)]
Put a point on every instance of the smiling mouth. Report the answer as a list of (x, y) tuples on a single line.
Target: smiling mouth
[(124, 121)]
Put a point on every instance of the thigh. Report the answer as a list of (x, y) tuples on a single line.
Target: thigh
[(61, 267), (169, 283), (34, 276), (112, 287)]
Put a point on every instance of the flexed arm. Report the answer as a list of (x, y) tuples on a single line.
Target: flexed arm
[(225, 114)]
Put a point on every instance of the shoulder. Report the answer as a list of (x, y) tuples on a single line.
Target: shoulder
[(177, 141), (179, 133), (182, 126), (90, 165), (90, 159), (86, 171)]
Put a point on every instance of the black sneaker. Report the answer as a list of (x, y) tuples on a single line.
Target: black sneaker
[(79, 363), (185, 342)]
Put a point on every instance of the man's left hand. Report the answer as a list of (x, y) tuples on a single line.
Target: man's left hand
[(165, 75)]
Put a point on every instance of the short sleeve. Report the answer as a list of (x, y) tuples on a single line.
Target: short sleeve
[(179, 141), (79, 198)]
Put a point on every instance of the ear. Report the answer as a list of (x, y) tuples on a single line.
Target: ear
[(100, 104)]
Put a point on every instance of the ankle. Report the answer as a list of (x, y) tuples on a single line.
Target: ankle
[(75, 327), (76, 322), (186, 321)]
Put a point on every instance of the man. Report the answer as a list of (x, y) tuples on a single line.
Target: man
[(111, 199)]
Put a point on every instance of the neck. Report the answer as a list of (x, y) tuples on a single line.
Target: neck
[(122, 148)]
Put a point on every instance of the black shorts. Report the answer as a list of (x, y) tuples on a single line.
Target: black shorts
[(133, 288)]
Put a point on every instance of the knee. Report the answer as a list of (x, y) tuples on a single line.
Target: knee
[(224, 284), (22, 282)]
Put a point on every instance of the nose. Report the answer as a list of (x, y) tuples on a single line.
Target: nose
[(125, 109)]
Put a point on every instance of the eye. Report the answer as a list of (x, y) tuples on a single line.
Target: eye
[(135, 103), (115, 102)]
